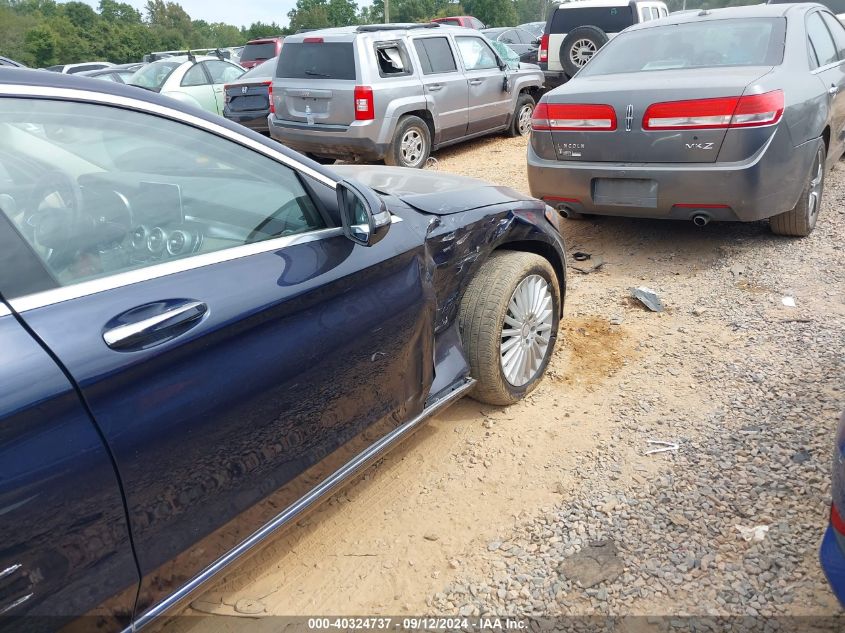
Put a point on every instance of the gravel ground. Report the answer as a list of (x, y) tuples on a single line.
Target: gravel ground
[(764, 385), (552, 506)]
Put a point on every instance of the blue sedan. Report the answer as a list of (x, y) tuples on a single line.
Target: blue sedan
[(202, 334)]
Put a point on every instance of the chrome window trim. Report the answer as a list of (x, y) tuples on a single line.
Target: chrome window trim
[(99, 98), (156, 271), (322, 490)]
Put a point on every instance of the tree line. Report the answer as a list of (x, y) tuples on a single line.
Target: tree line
[(41, 33)]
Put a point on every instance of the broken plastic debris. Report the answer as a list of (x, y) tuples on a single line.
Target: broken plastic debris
[(789, 302), (664, 447), (756, 533), (590, 266), (648, 298)]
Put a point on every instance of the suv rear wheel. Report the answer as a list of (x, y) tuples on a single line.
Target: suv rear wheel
[(411, 143), (579, 46)]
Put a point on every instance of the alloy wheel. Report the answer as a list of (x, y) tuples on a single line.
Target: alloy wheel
[(523, 119), (526, 332), (582, 51), (412, 147), (816, 184)]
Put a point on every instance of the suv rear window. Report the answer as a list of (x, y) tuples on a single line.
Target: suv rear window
[(608, 19), (707, 44), (324, 60), (258, 51)]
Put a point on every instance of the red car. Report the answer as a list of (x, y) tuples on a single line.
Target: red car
[(466, 21), (260, 50)]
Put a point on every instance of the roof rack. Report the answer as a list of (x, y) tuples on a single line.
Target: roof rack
[(191, 54), (372, 28)]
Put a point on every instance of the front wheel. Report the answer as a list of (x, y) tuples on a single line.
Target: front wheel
[(521, 124), (509, 319), (411, 144), (801, 220)]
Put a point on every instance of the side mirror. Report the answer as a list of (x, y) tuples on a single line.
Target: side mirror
[(364, 214), (537, 42)]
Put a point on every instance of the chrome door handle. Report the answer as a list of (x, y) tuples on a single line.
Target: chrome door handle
[(133, 335), (475, 82), (435, 87), (833, 90)]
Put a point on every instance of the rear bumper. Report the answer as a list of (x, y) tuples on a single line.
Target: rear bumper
[(255, 119), (356, 141), (767, 184), (833, 563)]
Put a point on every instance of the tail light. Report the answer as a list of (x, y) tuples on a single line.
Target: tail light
[(364, 107), (724, 112), (836, 520), (226, 97), (573, 116), (269, 85), (543, 53)]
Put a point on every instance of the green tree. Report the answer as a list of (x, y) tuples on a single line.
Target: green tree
[(317, 14), (119, 12), (41, 45), (492, 12)]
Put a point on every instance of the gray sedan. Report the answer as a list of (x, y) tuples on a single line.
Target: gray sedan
[(733, 115)]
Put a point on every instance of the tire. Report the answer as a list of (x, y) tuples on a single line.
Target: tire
[(801, 220), (579, 46), (521, 124), (411, 144), (323, 160), (481, 318)]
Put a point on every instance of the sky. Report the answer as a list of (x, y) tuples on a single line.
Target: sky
[(239, 13)]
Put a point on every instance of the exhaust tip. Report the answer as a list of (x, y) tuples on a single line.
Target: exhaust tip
[(564, 210), (700, 219)]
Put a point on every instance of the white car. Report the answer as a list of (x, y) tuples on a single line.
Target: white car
[(196, 80), (73, 69)]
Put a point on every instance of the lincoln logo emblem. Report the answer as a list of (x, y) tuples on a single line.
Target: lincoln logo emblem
[(629, 117)]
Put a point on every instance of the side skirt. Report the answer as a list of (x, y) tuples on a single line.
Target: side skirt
[(326, 488)]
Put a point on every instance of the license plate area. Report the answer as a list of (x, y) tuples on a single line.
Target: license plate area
[(625, 192)]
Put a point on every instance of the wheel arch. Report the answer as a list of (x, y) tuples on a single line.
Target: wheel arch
[(426, 116)]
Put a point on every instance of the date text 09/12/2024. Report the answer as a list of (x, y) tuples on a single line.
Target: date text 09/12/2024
[(417, 623)]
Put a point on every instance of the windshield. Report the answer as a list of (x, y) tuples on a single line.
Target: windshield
[(152, 76), (252, 52), (706, 44)]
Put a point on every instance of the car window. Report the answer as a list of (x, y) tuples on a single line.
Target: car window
[(264, 69), (655, 14), (508, 37), (317, 60), (820, 40), (152, 76), (663, 12), (476, 54), (646, 14), (524, 37), (732, 42), (392, 59), (476, 24), (223, 72), (259, 50), (85, 68), (195, 76), (435, 55), (608, 19), (836, 30), (110, 190)]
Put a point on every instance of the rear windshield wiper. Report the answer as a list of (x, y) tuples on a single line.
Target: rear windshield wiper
[(313, 73)]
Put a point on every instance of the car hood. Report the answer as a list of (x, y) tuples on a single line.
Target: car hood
[(431, 191)]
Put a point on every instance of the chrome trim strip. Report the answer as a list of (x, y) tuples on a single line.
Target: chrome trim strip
[(74, 94), (328, 486), (4, 310), (85, 288)]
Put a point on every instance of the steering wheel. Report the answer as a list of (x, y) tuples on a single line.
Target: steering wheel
[(53, 212)]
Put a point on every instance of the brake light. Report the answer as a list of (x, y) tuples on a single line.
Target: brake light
[(723, 112), (836, 519), (573, 116), (543, 53), (313, 40), (364, 107), (269, 85)]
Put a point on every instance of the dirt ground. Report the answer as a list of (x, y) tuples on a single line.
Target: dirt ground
[(424, 515)]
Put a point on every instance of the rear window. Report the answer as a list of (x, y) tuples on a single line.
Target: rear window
[(252, 52), (454, 21), (608, 19), (264, 69), (326, 60), (707, 44)]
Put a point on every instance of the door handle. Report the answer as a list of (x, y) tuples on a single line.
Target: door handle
[(155, 329), (435, 87), (475, 82), (833, 90)]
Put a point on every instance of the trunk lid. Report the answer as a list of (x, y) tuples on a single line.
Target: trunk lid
[(627, 95), (246, 97), (315, 82)]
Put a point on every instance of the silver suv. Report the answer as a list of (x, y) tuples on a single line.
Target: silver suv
[(396, 92)]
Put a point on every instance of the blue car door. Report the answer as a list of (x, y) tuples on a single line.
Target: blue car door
[(65, 549), (234, 348)]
